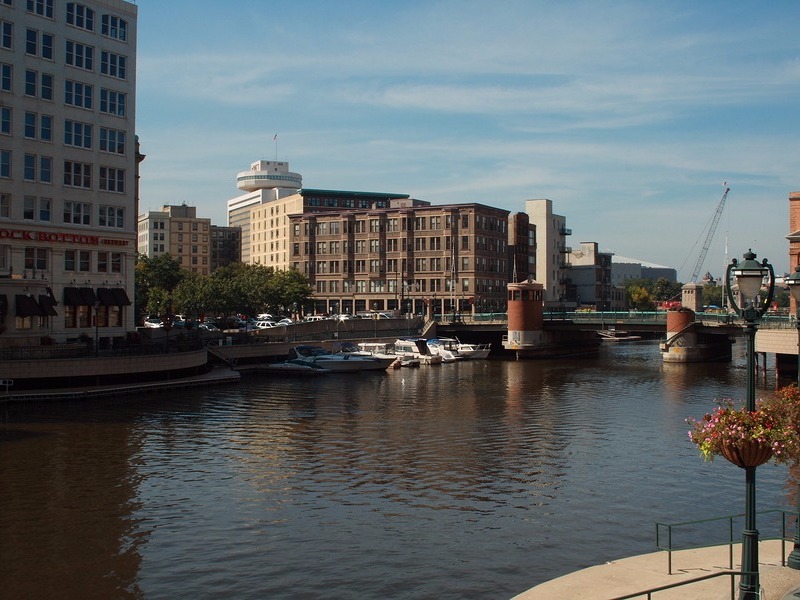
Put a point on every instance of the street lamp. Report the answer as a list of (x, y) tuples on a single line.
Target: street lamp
[(793, 281), (749, 276)]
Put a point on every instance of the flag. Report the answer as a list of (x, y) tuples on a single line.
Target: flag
[(275, 138)]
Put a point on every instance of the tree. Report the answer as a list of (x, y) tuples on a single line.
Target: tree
[(192, 295), (156, 277), (640, 299), (287, 289)]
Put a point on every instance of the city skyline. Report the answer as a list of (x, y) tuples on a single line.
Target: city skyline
[(629, 116)]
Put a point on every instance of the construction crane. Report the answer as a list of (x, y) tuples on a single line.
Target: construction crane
[(710, 235)]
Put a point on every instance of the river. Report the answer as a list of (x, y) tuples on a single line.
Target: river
[(478, 480)]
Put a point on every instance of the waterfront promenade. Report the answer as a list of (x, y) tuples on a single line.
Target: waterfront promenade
[(648, 571)]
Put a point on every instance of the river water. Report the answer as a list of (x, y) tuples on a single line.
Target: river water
[(471, 480)]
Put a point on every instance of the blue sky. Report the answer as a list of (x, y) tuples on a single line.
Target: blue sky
[(628, 115)]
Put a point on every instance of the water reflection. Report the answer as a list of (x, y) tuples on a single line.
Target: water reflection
[(472, 480)]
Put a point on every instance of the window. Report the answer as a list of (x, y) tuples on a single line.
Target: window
[(30, 125), (112, 64), (114, 27), (6, 77), (78, 94), (80, 16), (112, 103), (31, 82), (111, 216), (47, 86), (102, 262), (29, 169), (77, 174), (5, 120), (44, 209), (5, 206), (46, 169), (36, 258), (80, 55), (5, 163), (112, 140), (77, 212), (43, 8), (112, 180), (116, 262), (77, 134), (28, 208), (6, 35)]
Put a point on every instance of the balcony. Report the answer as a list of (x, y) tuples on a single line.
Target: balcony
[(565, 231)]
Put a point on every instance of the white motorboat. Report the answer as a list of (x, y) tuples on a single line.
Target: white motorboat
[(615, 335), (317, 357), (459, 349), (473, 351), (416, 348), (446, 348)]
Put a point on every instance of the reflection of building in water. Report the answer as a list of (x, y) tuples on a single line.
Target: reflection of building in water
[(74, 500)]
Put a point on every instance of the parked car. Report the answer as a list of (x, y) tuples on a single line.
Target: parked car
[(285, 321), (263, 325), (153, 323), (208, 327)]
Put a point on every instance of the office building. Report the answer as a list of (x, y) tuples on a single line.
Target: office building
[(551, 250), (68, 170), (178, 231), (226, 246), (404, 257), (265, 182)]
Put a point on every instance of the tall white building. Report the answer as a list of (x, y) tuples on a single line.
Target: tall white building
[(265, 181), (551, 249), (68, 165)]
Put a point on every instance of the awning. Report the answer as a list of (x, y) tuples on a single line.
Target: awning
[(106, 297), (72, 296), (51, 296), (27, 306), (88, 296), (3, 306), (48, 306), (121, 297)]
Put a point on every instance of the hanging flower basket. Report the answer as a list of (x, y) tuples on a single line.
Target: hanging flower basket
[(752, 438), (746, 453)]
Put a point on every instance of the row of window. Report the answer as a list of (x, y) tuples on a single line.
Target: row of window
[(81, 16), (76, 134), (38, 259), (395, 224), (434, 264), (390, 286), (35, 208), (39, 169), (76, 54), (76, 93)]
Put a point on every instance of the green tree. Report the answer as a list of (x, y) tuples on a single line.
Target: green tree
[(287, 289), (664, 290), (640, 298), (712, 295), (191, 295), (157, 277)]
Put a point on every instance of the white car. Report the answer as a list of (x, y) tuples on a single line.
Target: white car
[(153, 323), (264, 324)]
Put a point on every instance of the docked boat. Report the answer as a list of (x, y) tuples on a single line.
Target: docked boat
[(474, 351), (380, 350), (447, 348), (416, 348), (316, 357)]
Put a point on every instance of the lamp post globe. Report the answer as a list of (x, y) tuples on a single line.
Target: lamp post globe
[(750, 276)]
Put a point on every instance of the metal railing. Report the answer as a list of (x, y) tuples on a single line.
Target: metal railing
[(786, 534), (649, 593)]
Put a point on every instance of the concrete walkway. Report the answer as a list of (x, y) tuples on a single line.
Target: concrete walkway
[(639, 573)]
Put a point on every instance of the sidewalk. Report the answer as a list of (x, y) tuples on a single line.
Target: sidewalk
[(639, 573)]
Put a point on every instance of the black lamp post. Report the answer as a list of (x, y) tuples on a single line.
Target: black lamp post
[(793, 281), (749, 276)]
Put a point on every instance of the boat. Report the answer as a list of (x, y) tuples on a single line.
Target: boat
[(615, 335), (446, 348), (379, 350), (416, 348), (459, 349), (314, 356), (473, 351)]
